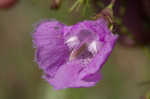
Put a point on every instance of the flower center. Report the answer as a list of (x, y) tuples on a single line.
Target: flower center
[(84, 45)]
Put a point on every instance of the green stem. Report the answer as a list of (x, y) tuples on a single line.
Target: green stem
[(76, 5)]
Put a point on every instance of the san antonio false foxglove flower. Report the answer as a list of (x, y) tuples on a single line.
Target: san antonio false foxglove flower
[(72, 56)]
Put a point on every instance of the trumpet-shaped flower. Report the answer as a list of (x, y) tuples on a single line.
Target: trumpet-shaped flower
[(72, 56)]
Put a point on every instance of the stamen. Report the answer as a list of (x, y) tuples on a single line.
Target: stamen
[(75, 53), (94, 46), (72, 42)]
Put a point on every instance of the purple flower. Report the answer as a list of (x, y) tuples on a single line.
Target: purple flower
[(72, 56)]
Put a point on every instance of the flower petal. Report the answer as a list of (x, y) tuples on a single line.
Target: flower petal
[(51, 52), (69, 76), (98, 61)]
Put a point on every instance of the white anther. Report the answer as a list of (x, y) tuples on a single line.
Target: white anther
[(94, 47), (72, 42)]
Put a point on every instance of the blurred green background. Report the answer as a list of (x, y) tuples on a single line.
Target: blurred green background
[(125, 75)]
